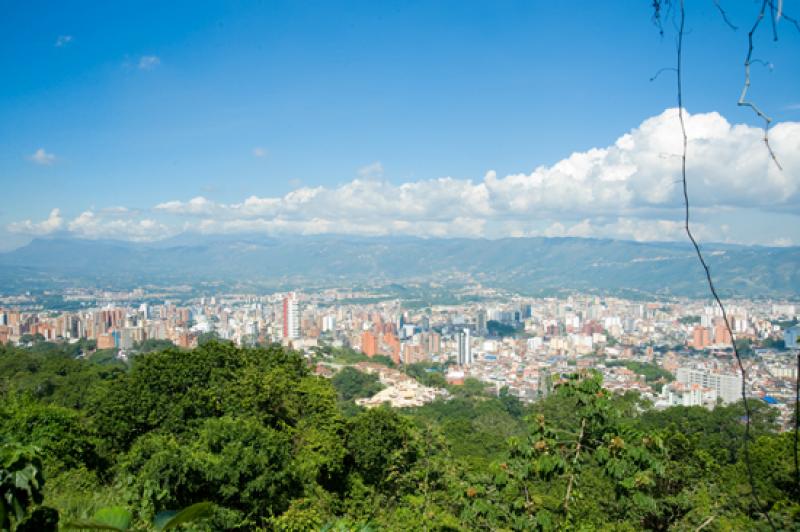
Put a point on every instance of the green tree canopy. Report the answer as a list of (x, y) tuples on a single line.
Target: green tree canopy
[(352, 384)]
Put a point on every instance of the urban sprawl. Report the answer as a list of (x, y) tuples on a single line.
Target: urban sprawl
[(521, 344)]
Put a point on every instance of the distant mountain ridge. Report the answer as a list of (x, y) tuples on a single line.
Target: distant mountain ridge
[(528, 265)]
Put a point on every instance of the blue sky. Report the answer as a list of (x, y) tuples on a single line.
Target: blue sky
[(149, 105)]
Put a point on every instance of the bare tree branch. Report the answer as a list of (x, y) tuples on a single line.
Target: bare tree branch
[(665, 69), (724, 15), (705, 523), (743, 102), (774, 21), (775, 14)]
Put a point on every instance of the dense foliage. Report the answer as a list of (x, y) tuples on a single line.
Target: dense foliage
[(353, 384), (271, 446)]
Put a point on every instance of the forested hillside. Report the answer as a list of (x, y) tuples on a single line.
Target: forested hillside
[(271, 446), (525, 265)]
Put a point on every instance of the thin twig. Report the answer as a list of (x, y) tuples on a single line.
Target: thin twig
[(707, 271), (774, 21), (705, 523), (574, 463), (762, 62), (780, 14), (743, 102), (724, 15), (665, 69), (792, 20)]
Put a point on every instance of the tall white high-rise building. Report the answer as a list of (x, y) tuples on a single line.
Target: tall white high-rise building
[(291, 317), (464, 348), (329, 323)]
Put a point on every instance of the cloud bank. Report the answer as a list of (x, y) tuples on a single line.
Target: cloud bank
[(628, 190)]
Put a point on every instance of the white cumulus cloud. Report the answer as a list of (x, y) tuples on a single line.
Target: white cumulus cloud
[(636, 177), (198, 205), (53, 223), (92, 225), (630, 189), (40, 156)]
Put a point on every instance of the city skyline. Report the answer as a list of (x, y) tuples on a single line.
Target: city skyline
[(505, 341), (394, 119)]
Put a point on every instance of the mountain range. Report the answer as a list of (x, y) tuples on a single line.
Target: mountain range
[(526, 265)]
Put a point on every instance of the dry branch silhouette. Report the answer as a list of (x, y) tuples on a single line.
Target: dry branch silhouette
[(775, 15)]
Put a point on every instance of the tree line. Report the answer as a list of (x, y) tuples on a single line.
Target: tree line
[(228, 438)]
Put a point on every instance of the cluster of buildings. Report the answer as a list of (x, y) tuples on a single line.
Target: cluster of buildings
[(515, 342), (702, 386)]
